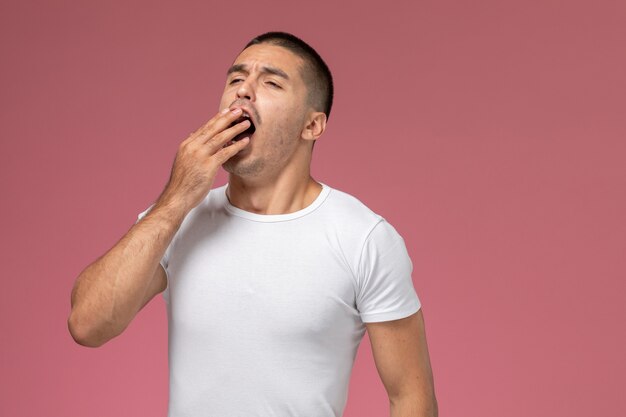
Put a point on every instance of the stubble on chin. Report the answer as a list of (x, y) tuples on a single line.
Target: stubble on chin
[(243, 169)]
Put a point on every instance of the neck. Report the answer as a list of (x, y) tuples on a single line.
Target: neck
[(283, 194)]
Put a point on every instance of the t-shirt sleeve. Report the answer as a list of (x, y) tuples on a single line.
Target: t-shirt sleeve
[(385, 288), (164, 260)]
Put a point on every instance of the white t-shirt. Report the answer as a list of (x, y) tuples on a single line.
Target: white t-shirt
[(266, 312)]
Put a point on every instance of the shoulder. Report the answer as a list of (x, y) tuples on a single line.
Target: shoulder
[(210, 208), (214, 200), (357, 227), (354, 218), (347, 211)]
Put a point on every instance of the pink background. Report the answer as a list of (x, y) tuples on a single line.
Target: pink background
[(489, 133)]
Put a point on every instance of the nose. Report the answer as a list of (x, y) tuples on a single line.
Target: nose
[(246, 89)]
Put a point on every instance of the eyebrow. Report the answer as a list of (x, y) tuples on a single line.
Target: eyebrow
[(265, 69)]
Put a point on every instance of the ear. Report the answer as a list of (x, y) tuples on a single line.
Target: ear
[(316, 124)]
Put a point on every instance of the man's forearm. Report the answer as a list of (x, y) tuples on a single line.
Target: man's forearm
[(413, 406), (108, 293)]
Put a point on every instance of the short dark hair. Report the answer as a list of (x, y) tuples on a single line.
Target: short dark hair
[(315, 72)]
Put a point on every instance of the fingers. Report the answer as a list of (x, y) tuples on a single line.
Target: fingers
[(222, 132), (226, 135), (213, 126), (220, 122), (227, 152)]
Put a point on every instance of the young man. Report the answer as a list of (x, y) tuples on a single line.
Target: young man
[(270, 281)]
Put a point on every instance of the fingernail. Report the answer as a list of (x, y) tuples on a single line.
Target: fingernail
[(236, 111)]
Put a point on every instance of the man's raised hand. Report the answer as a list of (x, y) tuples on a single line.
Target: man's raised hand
[(199, 157)]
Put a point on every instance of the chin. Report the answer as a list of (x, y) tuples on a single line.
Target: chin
[(236, 166)]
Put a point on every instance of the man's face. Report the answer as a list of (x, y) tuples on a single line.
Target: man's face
[(265, 81)]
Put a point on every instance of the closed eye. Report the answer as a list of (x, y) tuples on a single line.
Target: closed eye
[(274, 84), (236, 79)]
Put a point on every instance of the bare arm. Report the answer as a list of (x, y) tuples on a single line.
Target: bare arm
[(109, 292), (401, 356)]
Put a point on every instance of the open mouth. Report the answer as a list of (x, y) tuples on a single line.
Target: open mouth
[(248, 132)]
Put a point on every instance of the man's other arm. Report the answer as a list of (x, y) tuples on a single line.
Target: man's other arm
[(403, 363)]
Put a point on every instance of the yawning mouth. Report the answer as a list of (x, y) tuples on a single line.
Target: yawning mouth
[(248, 132)]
